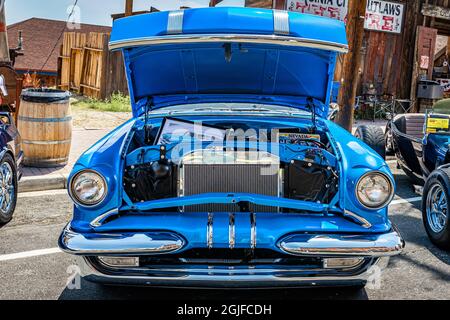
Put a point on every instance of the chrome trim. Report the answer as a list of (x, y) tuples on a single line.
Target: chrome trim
[(99, 221), (388, 244), (253, 230), (364, 223), (209, 231), (240, 38), (175, 22), (210, 277), (436, 208), (119, 243), (391, 197), (232, 231), (104, 261), (358, 262), (76, 200), (281, 22)]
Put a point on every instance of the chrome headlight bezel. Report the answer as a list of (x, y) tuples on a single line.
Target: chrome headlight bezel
[(74, 196), (388, 199)]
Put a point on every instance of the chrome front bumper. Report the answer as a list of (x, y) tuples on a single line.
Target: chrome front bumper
[(233, 277), (338, 245), (375, 249)]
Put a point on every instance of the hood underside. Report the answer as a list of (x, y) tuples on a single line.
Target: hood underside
[(237, 51)]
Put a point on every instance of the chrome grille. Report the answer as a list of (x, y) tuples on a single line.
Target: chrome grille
[(238, 175)]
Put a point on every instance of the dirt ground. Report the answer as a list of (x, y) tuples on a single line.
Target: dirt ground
[(91, 119)]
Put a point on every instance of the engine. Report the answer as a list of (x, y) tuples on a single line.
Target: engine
[(230, 169)]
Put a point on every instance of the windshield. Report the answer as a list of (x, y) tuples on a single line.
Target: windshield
[(230, 109)]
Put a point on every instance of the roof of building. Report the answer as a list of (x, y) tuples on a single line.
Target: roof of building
[(42, 40)]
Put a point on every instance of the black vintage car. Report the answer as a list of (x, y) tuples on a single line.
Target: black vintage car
[(11, 156), (421, 144)]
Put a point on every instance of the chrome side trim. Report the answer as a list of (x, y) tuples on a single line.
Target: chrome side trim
[(388, 244), (100, 220), (281, 22), (240, 38), (364, 223), (232, 231), (209, 231), (175, 22), (119, 243), (253, 230)]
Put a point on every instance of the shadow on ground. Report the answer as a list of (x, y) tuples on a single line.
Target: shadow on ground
[(92, 291)]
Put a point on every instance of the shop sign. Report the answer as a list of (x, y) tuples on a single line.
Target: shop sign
[(445, 84), (336, 9), (384, 16)]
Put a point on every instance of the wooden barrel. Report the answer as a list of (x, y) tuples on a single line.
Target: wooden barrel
[(45, 125)]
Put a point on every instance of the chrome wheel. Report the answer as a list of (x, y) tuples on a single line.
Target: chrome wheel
[(7, 188), (437, 208)]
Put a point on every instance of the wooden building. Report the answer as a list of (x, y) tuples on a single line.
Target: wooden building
[(42, 40), (404, 41)]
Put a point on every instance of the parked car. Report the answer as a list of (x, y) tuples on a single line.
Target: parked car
[(229, 174), (421, 145), (11, 157)]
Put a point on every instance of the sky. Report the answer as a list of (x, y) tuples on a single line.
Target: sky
[(91, 11)]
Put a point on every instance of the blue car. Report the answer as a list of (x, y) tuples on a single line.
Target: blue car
[(11, 158), (229, 174), (421, 144)]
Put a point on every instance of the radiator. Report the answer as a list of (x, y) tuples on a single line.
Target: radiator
[(235, 172)]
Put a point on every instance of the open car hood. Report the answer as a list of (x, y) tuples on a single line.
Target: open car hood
[(233, 51)]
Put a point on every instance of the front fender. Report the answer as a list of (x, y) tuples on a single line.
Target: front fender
[(104, 157), (357, 159)]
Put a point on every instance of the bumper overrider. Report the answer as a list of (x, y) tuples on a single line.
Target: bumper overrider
[(369, 250)]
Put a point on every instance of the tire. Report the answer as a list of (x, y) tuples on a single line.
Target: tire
[(374, 137), (436, 222), (8, 187)]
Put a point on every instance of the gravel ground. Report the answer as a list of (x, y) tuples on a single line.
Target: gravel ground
[(91, 119)]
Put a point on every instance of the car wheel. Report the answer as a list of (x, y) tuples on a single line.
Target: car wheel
[(435, 208), (373, 136), (8, 189), (388, 143)]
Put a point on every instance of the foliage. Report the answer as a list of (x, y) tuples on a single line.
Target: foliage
[(117, 103)]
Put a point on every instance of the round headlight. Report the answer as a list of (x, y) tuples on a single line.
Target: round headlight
[(88, 188), (374, 190)]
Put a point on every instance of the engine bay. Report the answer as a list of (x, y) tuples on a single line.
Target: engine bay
[(176, 158)]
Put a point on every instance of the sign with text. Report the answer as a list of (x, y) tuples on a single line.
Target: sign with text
[(336, 9), (445, 83), (384, 16)]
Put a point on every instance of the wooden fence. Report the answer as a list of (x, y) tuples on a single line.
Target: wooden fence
[(86, 66)]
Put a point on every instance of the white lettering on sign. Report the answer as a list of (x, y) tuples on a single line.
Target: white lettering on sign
[(445, 84), (384, 16), (336, 9)]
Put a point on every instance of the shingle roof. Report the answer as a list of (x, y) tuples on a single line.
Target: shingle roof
[(41, 39)]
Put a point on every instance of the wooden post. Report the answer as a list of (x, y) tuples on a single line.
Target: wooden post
[(4, 48), (128, 8), (352, 63)]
